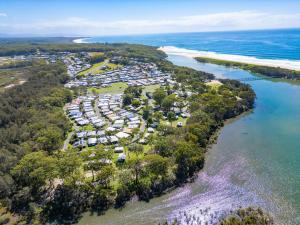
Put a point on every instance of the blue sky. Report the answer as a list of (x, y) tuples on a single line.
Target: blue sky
[(114, 17)]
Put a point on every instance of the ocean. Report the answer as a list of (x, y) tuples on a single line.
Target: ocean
[(263, 44)]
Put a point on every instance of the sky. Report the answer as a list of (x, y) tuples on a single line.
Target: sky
[(122, 17)]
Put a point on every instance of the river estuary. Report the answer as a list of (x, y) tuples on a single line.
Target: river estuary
[(255, 162)]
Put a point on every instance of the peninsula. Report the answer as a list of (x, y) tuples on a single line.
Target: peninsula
[(285, 69), (104, 123)]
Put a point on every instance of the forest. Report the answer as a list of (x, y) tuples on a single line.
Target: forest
[(40, 183)]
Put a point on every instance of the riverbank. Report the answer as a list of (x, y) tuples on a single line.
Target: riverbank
[(284, 64), (273, 72)]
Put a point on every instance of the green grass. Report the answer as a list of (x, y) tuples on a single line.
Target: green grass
[(174, 123), (150, 88), (95, 54), (115, 88), (180, 119), (214, 85), (88, 127), (95, 69)]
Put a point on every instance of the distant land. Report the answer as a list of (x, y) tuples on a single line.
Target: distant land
[(36, 40)]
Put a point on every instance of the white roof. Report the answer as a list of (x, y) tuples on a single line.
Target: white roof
[(122, 135), (150, 130), (110, 129)]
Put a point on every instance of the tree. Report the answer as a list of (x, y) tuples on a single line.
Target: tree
[(156, 165), (180, 104), (159, 95), (35, 169), (135, 91), (136, 148), (147, 112), (69, 163), (136, 166), (127, 99), (92, 162), (149, 121), (189, 158), (136, 103), (247, 216), (102, 198), (158, 116), (168, 102), (105, 175), (171, 117), (98, 160), (49, 138), (162, 147)]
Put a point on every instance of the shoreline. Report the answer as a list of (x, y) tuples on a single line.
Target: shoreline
[(284, 64), (80, 40)]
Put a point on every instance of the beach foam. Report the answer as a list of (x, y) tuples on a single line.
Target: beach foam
[(80, 40), (287, 64)]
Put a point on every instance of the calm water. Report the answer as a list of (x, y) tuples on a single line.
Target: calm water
[(254, 162)]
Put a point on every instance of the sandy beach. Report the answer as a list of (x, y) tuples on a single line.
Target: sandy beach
[(80, 40), (287, 64)]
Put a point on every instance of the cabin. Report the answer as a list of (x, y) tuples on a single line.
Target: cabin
[(179, 124), (121, 157), (122, 135), (102, 140), (81, 134), (113, 139), (119, 149), (150, 130), (92, 142), (100, 133)]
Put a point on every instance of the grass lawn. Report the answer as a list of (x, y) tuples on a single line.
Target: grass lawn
[(96, 68), (116, 88), (150, 88), (174, 123), (95, 54), (214, 84), (180, 119)]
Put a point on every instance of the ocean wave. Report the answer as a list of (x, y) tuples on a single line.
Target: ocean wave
[(282, 63), (80, 40)]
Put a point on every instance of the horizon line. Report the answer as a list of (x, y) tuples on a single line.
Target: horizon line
[(138, 34)]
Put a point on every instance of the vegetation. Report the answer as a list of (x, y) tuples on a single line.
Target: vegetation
[(247, 216), (242, 216), (274, 72), (125, 50), (113, 89), (31, 119), (40, 182), (99, 67)]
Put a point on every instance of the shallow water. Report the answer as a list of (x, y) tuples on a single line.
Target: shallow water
[(254, 162)]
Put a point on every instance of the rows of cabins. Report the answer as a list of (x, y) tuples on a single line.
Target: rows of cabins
[(110, 121), (134, 75), (76, 64)]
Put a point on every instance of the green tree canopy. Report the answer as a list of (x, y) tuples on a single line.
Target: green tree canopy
[(35, 169), (159, 95)]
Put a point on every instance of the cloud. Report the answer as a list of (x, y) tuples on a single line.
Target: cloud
[(3, 14), (204, 22)]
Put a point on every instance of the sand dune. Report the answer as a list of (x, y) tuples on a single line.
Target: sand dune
[(287, 64)]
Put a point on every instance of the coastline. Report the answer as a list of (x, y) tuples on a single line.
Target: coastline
[(285, 64)]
